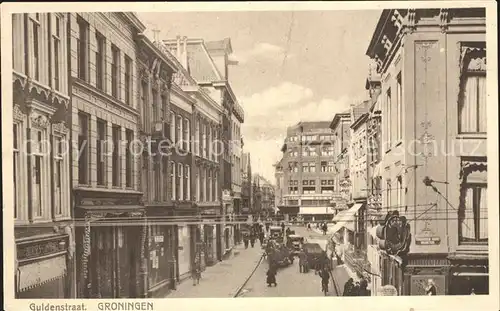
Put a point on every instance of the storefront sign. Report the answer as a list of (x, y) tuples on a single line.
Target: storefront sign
[(41, 272), (226, 195), (34, 249), (426, 235), (159, 239), (387, 290)]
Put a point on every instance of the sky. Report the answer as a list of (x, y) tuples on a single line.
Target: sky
[(293, 66)]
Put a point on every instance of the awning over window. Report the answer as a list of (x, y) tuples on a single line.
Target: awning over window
[(316, 210), (347, 218)]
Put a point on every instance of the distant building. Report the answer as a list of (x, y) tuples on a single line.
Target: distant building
[(246, 184), (308, 167), (263, 196)]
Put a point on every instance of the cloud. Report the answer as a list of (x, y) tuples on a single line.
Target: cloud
[(269, 112), (263, 51)]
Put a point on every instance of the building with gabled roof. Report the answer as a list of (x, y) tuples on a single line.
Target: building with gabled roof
[(208, 65)]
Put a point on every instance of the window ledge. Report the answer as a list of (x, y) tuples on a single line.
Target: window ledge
[(472, 136)]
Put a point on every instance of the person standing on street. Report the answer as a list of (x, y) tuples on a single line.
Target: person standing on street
[(325, 228), (302, 259), (271, 276), (283, 227), (325, 279), (245, 240), (348, 287)]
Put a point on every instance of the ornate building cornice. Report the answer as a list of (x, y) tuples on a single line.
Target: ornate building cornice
[(60, 128)]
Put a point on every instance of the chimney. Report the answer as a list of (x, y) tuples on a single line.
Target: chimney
[(184, 59), (178, 52)]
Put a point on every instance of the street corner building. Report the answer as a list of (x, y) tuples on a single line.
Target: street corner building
[(306, 172), (430, 168), (44, 232)]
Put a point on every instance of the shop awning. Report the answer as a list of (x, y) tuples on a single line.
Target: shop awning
[(41, 272), (470, 274), (316, 210), (335, 228), (348, 217)]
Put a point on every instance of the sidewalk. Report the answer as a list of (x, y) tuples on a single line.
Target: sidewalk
[(224, 278)]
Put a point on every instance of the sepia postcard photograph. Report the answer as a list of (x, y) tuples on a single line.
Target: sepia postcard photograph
[(324, 155)]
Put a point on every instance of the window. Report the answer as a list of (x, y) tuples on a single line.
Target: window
[(309, 151), (56, 42), (128, 80), (39, 173), (100, 60), (17, 168), (204, 140), (145, 108), (178, 137), (327, 151), (197, 137), (216, 183), (188, 183), (473, 214), (399, 108), (388, 117), (59, 173), (472, 116), (309, 167), (309, 190), (172, 180), (164, 107), (129, 160), (324, 166), (293, 190), (83, 48), (180, 184), (116, 133), (35, 46), (83, 147), (202, 185), (115, 72), (172, 127), (154, 106), (164, 190), (210, 186), (101, 152), (198, 185), (186, 134), (156, 179)]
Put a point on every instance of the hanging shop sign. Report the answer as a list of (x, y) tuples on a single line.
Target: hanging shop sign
[(226, 195), (394, 234)]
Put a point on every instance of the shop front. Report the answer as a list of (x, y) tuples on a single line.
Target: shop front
[(43, 266), (161, 256), (111, 260), (184, 251), (469, 275)]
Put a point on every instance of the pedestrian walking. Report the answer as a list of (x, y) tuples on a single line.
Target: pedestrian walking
[(245, 241), (363, 288), (302, 260), (348, 287), (261, 237), (271, 277), (196, 273), (325, 228)]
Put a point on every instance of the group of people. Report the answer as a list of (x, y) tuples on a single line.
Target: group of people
[(255, 233), (323, 226), (352, 288)]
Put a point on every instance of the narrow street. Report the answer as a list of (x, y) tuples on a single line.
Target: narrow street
[(292, 283)]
